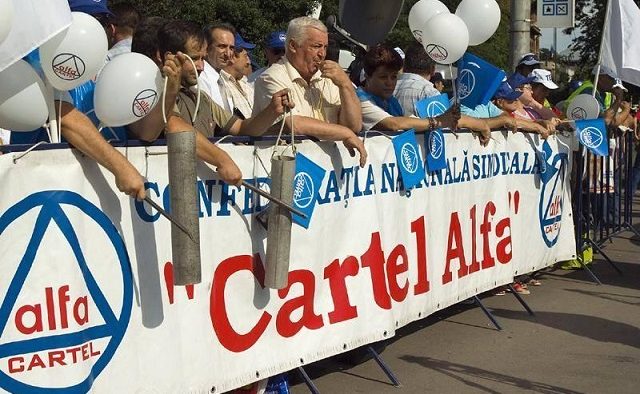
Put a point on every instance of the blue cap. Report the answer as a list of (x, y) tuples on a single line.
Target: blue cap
[(505, 91), (91, 7), (241, 43), (516, 80), (528, 59), (276, 40)]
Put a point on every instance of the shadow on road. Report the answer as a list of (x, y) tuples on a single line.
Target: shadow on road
[(621, 298), (474, 377), (596, 328)]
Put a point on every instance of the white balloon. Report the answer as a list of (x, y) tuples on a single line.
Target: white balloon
[(127, 89), (421, 12), (482, 18), (23, 106), (6, 18), (75, 55), (445, 38), (583, 106)]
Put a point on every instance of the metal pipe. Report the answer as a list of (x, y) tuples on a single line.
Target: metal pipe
[(279, 230), (185, 247)]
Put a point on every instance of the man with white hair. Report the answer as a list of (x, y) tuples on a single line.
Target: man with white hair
[(326, 105)]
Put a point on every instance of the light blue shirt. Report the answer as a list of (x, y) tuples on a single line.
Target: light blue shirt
[(482, 111)]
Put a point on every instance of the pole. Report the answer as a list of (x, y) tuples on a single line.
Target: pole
[(607, 16), (185, 246), (520, 30)]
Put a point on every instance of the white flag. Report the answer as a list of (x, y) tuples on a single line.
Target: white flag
[(34, 22), (621, 40)]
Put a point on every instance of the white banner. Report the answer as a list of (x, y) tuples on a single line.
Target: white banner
[(621, 40), (32, 22), (556, 13), (87, 291)]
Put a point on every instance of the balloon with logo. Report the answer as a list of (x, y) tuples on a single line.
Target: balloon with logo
[(23, 106), (127, 89), (6, 18), (583, 106), (421, 12), (445, 38), (75, 55), (482, 18)]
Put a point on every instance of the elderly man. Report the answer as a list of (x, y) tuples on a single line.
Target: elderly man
[(220, 46), (326, 105)]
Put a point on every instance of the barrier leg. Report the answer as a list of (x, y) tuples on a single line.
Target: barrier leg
[(384, 367), (601, 252), (521, 300), (307, 380), (486, 312)]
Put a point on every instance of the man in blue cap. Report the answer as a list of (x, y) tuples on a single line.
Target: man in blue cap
[(274, 50), (236, 91), (95, 8)]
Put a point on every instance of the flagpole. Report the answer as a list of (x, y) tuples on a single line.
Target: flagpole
[(607, 16)]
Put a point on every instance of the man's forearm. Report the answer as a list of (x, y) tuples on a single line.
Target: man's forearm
[(350, 111), (319, 129)]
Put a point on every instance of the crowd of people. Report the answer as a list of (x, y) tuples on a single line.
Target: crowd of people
[(213, 65)]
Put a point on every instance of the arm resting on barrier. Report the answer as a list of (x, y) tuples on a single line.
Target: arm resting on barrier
[(78, 130), (209, 152)]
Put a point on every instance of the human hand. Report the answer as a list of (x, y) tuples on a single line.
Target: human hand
[(544, 129), (353, 143), (230, 173), (130, 182), (172, 69), (280, 102), (335, 73), (450, 118)]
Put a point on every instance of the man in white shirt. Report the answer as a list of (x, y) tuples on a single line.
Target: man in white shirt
[(326, 105), (220, 47)]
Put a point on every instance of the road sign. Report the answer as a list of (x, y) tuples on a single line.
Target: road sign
[(556, 13)]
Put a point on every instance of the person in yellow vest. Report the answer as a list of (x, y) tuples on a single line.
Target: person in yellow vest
[(610, 95)]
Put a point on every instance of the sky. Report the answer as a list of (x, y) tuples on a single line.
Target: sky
[(546, 41)]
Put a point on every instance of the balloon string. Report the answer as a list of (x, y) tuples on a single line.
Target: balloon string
[(164, 94), (195, 112), (453, 84), (60, 121)]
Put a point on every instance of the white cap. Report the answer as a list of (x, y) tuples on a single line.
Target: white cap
[(543, 76), (400, 52), (605, 70), (619, 84)]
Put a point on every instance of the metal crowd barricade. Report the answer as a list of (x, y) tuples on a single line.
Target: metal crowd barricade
[(603, 197)]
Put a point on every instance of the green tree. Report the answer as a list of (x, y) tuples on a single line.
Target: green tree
[(253, 19)]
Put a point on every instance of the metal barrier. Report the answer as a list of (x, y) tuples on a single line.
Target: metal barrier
[(603, 197)]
